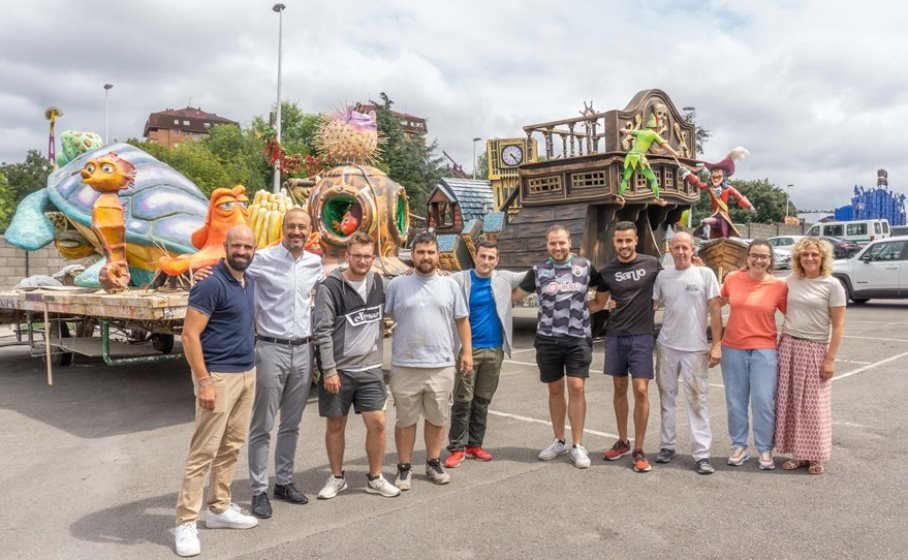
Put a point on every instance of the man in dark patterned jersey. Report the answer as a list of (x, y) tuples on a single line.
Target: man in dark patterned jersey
[(628, 280), (564, 344)]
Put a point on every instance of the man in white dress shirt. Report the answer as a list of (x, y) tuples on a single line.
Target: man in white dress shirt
[(285, 276)]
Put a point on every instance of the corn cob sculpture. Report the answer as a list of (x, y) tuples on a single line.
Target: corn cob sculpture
[(266, 215)]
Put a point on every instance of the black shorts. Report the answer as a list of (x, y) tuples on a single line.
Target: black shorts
[(558, 356), (365, 390), (631, 354)]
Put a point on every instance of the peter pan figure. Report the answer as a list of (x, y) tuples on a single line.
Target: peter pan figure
[(636, 156)]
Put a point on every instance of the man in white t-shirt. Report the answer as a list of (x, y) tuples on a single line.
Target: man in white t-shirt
[(690, 294)]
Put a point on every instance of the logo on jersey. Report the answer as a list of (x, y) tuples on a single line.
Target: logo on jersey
[(561, 287), (632, 275)]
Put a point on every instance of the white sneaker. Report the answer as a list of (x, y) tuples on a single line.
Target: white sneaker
[(580, 457), (383, 487), (333, 487), (767, 463), (231, 518), (436, 473), (554, 449), (187, 539)]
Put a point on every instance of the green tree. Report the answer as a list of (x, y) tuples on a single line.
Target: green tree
[(702, 133), (410, 162), (199, 165), (28, 176), (482, 166), (7, 203), (240, 153)]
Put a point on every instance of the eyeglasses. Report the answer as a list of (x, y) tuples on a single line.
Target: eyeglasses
[(757, 257), (361, 257)]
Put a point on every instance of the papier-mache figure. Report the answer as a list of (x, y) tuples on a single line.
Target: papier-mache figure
[(636, 157), (720, 191)]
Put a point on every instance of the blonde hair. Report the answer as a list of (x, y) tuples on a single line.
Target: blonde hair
[(822, 246)]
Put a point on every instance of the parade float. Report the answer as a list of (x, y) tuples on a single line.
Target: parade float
[(354, 195)]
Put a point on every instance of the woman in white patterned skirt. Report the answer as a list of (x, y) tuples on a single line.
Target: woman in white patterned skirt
[(811, 335)]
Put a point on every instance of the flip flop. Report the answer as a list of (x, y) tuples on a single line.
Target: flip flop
[(795, 464)]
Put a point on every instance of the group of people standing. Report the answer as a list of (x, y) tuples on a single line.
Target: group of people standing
[(256, 322)]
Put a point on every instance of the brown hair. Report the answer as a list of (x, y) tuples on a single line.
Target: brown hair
[(772, 254), (360, 238)]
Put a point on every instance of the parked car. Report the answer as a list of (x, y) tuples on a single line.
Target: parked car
[(780, 256), (784, 241), (857, 231), (842, 249), (880, 270)]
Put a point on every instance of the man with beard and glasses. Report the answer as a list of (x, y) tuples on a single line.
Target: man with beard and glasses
[(285, 278), (426, 307), (628, 280), (348, 331), (564, 344), (218, 340)]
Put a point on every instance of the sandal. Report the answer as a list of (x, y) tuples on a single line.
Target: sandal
[(816, 467), (795, 464)]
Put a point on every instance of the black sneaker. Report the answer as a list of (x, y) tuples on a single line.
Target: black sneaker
[(289, 493), (705, 467), (403, 476), (261, 505), (665, 455)]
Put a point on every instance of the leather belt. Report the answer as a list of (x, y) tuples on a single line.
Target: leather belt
[(285, 342)]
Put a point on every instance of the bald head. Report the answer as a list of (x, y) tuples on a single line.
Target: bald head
[(243, 233), (682, 250), (683, 237), (239, 246)]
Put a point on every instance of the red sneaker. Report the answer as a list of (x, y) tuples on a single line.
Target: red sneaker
[(640, 462), (619, 450), (454, 459), (479, 454)]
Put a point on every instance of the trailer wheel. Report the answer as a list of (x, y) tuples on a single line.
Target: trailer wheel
[(58, 330), (163, 343)]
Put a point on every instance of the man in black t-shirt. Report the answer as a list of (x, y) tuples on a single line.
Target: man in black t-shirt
[(629, 281)]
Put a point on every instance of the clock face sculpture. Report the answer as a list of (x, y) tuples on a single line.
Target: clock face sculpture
[(512, 155)]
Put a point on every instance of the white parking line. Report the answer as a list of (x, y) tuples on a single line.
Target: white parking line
[(547, 423), (875, 338), (519, 363), (870, 366)]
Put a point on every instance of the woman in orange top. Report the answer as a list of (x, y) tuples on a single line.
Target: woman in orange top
[(749, 361)]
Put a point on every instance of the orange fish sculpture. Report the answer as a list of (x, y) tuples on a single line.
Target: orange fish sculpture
[(228, 208), (108, 175), (347, 225)]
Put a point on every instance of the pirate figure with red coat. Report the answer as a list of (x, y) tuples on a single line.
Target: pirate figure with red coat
[(720, 192)]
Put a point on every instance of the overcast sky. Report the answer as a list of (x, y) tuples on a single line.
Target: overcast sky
[(816, 90)]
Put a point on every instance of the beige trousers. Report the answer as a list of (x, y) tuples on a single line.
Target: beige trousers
[(219, 435)]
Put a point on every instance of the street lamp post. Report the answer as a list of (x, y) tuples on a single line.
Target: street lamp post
[(692, 113), (787, 197), (477, 139), (279, 8), (107, 88)]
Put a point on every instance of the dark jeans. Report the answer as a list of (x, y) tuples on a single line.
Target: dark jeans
[(472, 396)]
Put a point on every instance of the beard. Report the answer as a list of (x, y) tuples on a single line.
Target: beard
[(238, 265), (425, 267)]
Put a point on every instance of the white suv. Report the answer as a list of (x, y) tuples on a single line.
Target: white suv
[(880, 270)]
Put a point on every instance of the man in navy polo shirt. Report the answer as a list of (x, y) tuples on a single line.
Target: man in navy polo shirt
[(218, 340)]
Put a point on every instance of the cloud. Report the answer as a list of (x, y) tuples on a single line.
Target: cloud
[(811, 88)]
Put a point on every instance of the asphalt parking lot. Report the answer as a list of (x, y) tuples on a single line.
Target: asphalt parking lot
[(90, 467)]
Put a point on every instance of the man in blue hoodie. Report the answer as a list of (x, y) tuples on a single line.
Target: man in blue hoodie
[(488, 293)]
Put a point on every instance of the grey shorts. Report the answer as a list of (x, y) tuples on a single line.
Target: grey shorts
[(365, 390)]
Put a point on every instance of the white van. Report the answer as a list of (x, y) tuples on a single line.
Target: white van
[(857, 231)]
